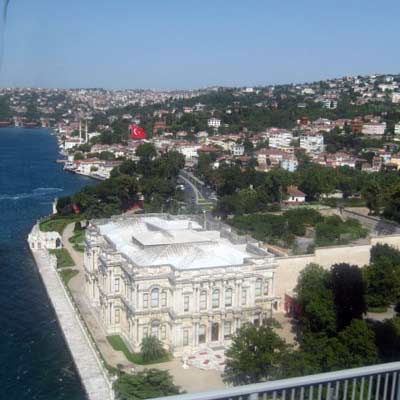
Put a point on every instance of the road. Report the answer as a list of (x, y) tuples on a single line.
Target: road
[(376, 225), (196, 192)]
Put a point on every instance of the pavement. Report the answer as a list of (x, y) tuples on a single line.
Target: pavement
[(77, 288), (192, 380)]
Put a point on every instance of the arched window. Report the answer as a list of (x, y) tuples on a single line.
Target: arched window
[(228, 297), (154, 298), (215, 298), (258, 289), (203, 300)]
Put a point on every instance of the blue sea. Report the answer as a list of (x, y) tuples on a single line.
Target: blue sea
[(34, 360)]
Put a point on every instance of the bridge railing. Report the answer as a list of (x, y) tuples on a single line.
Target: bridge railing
[(378, 382)]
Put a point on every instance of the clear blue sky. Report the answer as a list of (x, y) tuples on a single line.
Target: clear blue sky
[(170, 44)]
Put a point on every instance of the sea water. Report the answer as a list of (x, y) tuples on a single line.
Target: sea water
[(35, 362)]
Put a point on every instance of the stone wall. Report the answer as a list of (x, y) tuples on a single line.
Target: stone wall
[(289, 268)]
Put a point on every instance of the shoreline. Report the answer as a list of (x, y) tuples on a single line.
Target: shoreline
[(97, 178), (91, 370)]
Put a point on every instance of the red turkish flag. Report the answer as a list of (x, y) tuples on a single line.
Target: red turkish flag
[(137, 132)]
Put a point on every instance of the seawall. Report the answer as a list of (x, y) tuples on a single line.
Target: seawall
[(94, 377)]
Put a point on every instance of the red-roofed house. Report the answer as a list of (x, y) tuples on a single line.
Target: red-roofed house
[(295, 196)]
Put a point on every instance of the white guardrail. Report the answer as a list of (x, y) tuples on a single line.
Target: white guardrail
[(378, 382)]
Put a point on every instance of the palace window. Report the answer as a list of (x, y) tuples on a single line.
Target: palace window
[(185, 303), (266, 288), (203, 300), (244, 297), (145, 331), (117, 315), (116, 285), (202, 334), (145, 300), (228, 297), (154, 329), (164, 298), (186, 337), (215, 298), (258, 289), (227, 329), (154, 298), (163, 331)]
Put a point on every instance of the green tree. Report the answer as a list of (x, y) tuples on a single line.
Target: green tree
[(353, 347), (315, 297), (152, 349), (106, 155), (372, 194), (388, 339), (316, 180), (64, 206), (348, 293), (146, 151), (256, 355), (358, 340), (382, 276), (392, 208), (147, 384), (79, 156)]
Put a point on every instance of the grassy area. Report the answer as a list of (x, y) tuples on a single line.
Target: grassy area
[(333, 230), (56, 224), (77, 240), (64, 259), (118, 344), (352, 202), (67, 274), (378, 310)]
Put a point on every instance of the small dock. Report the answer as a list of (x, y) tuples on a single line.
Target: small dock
[(92, 373)]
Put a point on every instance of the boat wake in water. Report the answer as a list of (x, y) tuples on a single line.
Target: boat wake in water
[(38, 192)]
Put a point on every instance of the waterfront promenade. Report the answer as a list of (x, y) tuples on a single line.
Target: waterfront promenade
[(93, 376)]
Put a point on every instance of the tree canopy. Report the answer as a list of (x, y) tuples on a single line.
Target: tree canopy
[(147, 384), (256, 355)]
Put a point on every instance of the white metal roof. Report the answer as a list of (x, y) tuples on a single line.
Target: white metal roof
[(181, 243)]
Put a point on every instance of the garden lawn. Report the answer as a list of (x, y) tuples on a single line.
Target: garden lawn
[(64, 259), (67, 274), (56, 224), (77, 240), (118, 344)]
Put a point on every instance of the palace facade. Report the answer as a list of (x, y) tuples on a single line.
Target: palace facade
[(189, 284)]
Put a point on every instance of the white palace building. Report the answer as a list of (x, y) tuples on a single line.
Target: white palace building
[(174, 278)]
